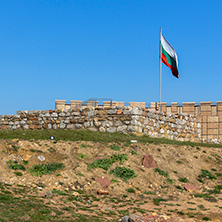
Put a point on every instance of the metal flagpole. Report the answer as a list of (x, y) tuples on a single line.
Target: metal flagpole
[(160, 69)]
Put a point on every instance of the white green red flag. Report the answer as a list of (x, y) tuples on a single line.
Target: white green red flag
[(168, 56)]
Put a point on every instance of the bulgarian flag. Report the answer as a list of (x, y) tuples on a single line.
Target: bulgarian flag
[(168, 56)]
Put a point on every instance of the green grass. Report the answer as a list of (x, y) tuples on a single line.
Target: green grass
[(183, 179), (15, 148), (161, 172), (133, 152), (83, 146), (157, 201), (59, 192), (115, 147), (130, 190), (150, 192), (86, 135), (40, 169), (206, 218), (18, 173), (16, 166), (19, 208), (106, 163), (81, 156), (170, 181), (205, 174)]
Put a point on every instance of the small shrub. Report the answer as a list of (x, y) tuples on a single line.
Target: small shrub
[(206, 218), (183, 179), (202, 207), (123, 172), (81, 156), (179, 162), (114, 181), (51, 150), (149, 192), (80, 191), (40, 169), (80, 174), (106, 163), (133, 152), (15, 148), (127, 144), (156, 201), (115, 147), (161, 172), (18, 173), (119, 157), (130, 190), (206, 174), (216, 190), (16, 166), (219, 174), (179, 188), (25, 162), (83, 146), (58, 192), (170, 181), (203, 195)]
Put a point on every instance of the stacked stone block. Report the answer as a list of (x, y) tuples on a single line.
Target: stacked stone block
[(137, 120)]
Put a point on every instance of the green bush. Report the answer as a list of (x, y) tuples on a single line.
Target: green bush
[(16, 166), (123, 172), (161, 172), (133, 152), (81, 156), (130, 190), (58, 192), (183, 179), (206, 174), (115, 147), (106, 163), (40, 169), (156, 201), (170, 181), (18, 173)]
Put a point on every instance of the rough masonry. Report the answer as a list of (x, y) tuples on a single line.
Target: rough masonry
[(182, 127)]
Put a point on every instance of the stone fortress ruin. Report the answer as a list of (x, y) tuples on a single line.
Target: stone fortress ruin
[(187, 122), (208, 113)]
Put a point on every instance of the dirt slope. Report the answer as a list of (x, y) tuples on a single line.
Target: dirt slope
[(152, 192)]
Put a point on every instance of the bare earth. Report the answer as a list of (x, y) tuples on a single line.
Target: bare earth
[(174, 202)]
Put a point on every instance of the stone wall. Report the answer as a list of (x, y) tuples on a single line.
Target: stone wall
[(138, 120), (210, 114)]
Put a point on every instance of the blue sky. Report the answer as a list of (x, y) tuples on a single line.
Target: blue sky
[(79, 49)]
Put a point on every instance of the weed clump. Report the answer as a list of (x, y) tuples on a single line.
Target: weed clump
[(123, 172), (133, 152), (106, 163), (81, 156), (161, 172), (183, 179), (206, 174), (130, 190), (40, 169), (115, 147), (16, 166), (156, 201)]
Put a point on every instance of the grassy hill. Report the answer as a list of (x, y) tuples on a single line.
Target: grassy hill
[(58, 180)]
